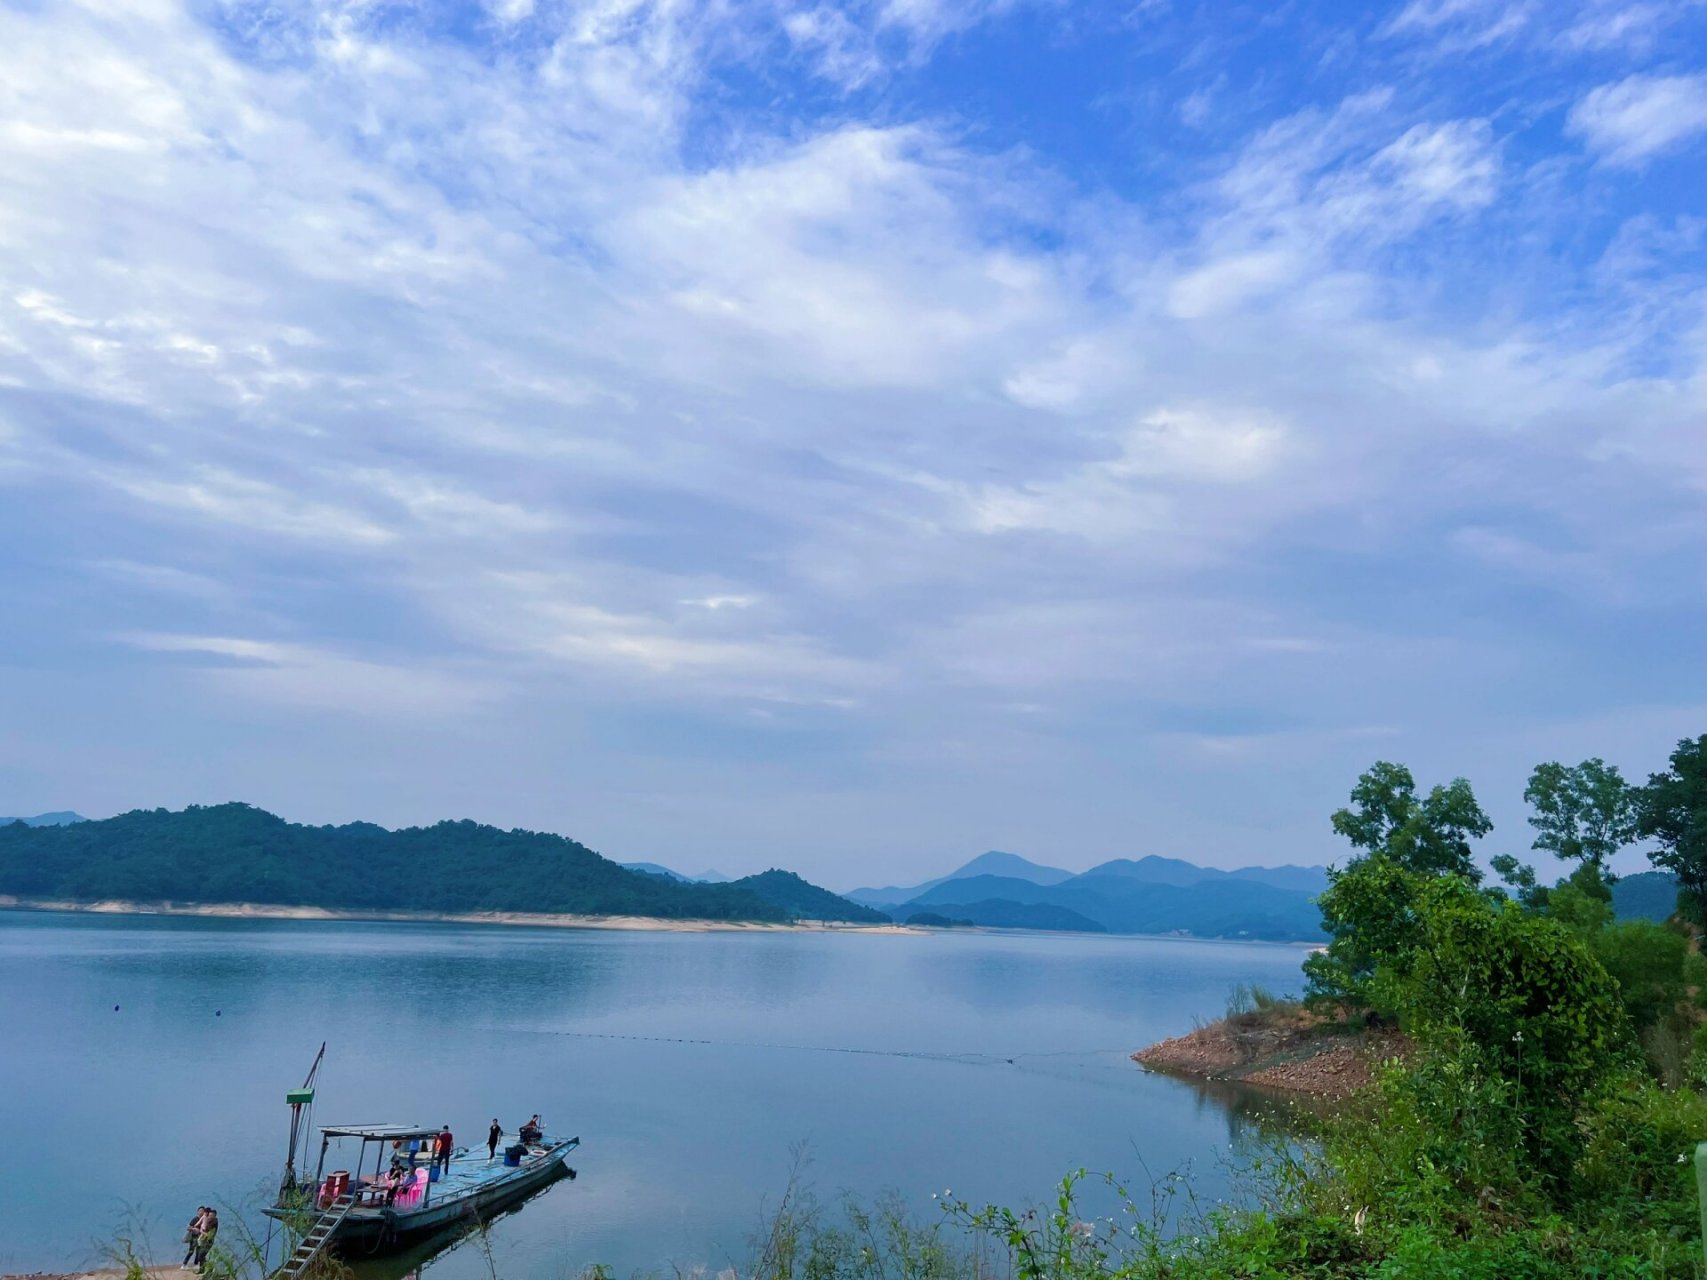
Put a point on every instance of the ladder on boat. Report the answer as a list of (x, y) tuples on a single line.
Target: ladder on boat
[(312, 1245)]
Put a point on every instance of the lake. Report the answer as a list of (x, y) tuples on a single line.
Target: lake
[(145, 1061)]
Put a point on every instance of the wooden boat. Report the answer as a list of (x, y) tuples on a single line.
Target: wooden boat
[(391, 1196)]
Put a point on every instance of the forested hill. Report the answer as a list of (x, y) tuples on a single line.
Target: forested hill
[(802, 899), (238, 853)]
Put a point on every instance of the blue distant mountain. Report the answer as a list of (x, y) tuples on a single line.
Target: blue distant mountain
[(1127, 895), (1220, 907), (658, 869), (1166, 895), (993, 863), (62, 818), (654, 869), (1175, 871)]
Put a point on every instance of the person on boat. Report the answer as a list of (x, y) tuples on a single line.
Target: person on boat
[(192, 1233), (445, 1143), (494, 1136), (531, 1132), (204, 1241)]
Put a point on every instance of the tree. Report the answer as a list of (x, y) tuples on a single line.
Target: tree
[(1367, 908), (1584, 813), (1369, 913), (1672, 811), (1431, 835), (1527, 992), (1647, 959)]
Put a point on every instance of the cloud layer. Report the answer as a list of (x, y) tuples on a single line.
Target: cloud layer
[(846, 437)]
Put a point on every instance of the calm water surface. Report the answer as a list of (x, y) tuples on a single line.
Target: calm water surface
[(692, 1066)]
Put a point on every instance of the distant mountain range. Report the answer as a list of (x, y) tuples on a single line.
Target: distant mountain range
[(1161, 895), (657, 869), (994, 863), (237, 853), (63, 818), (1143, 895), (231, 853)]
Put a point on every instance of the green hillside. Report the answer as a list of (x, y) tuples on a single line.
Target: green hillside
[(804, 901), (999, 913), (238, 853), (1647, 895)]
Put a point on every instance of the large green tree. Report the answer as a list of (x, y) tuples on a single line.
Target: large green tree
[(1406, 839), (1430, 835), (1583, 813), (1671, 810)]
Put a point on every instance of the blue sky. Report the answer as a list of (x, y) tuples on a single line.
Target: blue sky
[(848, 437)]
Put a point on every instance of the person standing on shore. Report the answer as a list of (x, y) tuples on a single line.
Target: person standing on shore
[(192, 1234), (204, 1241), (494, 1136)]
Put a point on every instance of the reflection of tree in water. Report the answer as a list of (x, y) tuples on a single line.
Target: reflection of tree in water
[(1258, 1117)]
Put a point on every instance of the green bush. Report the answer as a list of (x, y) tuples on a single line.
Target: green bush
[(1647, 960), (1442, 1141), (1638, 1144), (1525, 991)]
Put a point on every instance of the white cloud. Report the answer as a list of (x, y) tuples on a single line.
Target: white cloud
[(576, 386), (165, 579), (226, 498), (704, 653), (1462, 24), (928, 21), (1641, 116), (1138, 490), (1451, 164), (845, 52), (306, 676), (438, 503), (1611, 25), (1231, 281)]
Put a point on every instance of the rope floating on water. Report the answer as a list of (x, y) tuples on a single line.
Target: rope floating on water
[(961, 1059)]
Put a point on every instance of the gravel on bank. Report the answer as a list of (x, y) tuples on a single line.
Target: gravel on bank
[(1283, 1048)]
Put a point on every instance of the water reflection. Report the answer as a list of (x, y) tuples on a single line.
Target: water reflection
[(410, 1263), (1257, 1117)]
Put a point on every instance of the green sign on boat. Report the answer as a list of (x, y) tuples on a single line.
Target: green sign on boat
[(298, 1097)]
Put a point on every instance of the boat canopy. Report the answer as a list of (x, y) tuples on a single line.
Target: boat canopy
[(379, 1132)]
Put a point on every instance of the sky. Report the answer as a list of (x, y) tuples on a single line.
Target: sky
[(848, 436)]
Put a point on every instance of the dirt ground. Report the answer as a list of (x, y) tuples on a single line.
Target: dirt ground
[(1281, 1048)]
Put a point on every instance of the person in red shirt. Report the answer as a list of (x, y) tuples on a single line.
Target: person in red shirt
[(441, 1156)]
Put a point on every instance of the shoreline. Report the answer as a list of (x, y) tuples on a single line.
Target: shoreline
[(566, 920), (1285, 1049), (510, 919)]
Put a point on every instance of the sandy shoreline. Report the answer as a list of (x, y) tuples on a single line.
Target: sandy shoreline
[(528, 919)]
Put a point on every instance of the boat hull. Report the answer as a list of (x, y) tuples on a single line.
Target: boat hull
[(374, 1232)]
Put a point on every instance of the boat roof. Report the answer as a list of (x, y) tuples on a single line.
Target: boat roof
[(385, 1132)]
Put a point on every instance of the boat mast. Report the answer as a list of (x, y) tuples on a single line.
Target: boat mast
[(298, 1099)]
